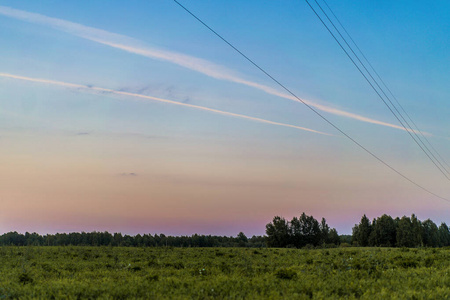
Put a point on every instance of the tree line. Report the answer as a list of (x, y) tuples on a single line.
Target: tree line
[(386, 231), (117, 239), (300, 232), (304, 231)]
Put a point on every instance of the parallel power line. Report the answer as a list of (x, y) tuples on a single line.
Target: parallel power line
[(378, 89), (306, 104), (389, 90)]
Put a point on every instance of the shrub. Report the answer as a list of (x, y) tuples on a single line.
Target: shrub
[(407, 262), (429, 261), (152, 277), (25, 278), (285, 273), (135, 269)]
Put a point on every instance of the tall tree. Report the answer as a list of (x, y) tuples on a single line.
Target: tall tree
[(310, 229), (297, 238), (416, 228), (361, 232), (333, 237), (325, 231), (278, 232), (405, 234), (430, 233), (444, 235), (241, 239), (384, 232)]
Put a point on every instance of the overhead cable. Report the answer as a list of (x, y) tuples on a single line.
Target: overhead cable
[(306, 104), (391, 93), (374, 83)]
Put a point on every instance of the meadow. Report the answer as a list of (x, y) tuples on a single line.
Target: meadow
[(76, 272)]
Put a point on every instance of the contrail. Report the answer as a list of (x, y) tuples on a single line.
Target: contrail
[(205, 67), (110, 91)]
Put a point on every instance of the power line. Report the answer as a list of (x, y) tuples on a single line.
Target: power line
[(390, 92), (306, 104), (384, 93), (410, 131)]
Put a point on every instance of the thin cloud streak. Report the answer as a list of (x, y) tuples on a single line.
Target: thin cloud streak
[(193, 63), (110, 91)]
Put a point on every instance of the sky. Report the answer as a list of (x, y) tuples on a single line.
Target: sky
[(132, 117)]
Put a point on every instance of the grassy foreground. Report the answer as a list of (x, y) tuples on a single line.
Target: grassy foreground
[(223, 273)]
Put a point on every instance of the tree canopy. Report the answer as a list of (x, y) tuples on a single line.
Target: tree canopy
[(117, 239), (300, 232), (400, 232)]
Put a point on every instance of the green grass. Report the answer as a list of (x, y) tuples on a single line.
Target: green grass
[(223, 273)]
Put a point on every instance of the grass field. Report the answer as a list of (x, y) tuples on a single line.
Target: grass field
[(223, 273)]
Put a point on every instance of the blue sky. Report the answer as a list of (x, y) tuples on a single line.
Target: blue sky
[(85, 101)]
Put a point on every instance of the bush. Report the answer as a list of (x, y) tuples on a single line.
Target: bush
[(152, 277), (25, 278), (407, 262), (285, 273)]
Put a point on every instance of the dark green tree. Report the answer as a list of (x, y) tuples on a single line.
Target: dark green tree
[(242, 239), (325, 231), (296, 234), (278, 232), (384, 232), (362, 231), (416, 228), (310, 230), (333, 237), (444, 235), (430, 233), (405, 234)]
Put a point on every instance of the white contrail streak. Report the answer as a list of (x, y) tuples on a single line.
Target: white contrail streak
[(193, 63), (110, 91)]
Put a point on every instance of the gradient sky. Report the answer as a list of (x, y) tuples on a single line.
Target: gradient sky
[(131, 116)]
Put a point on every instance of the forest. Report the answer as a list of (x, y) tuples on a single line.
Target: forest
[(386, 231), (301, 232), (383, 231), (117, 239)]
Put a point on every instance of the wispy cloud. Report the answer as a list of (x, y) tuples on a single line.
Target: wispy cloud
[(128, 174), (100, 90), (193, 63)]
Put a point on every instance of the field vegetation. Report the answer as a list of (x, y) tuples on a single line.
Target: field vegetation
[(298, 259), (106, 272)]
